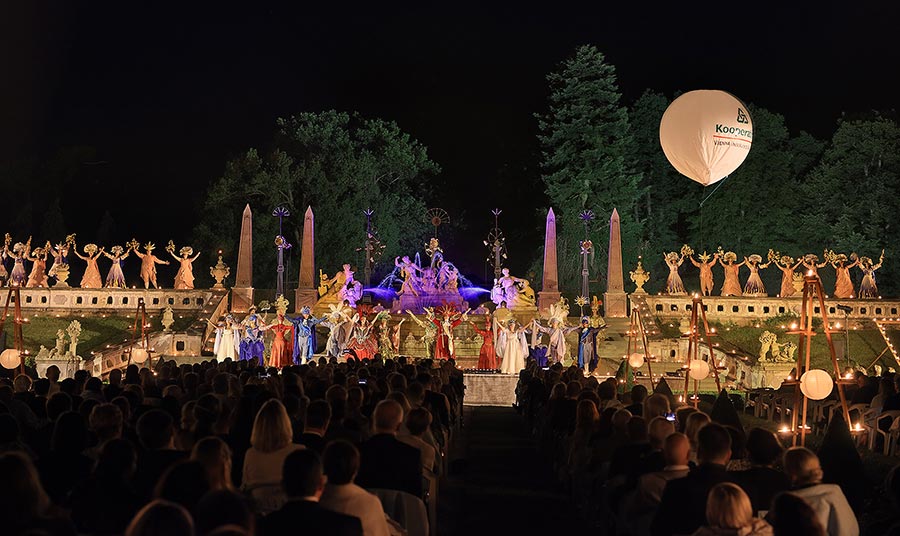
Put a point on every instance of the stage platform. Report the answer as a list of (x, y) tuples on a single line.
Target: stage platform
[(490, 389)]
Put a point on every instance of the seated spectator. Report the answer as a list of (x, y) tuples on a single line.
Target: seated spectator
[(106, 424), (223, 508), (318, 416), (792, 516), (728, 513), (24, 506), (827, 500), (341, 464), (650, 487), (762, 482), (387, 463), (586, 421), (304, 483), (11, 438), (106, 502), (653, 460), (682, 509), (638, 395), (418, 422), (694, 422), (156, 434), (656, 405), (270, 445), (65, 465), (161, 518), (215, 456), (184, 483)]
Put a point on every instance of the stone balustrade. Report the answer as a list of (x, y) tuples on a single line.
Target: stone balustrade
[(111, 300)]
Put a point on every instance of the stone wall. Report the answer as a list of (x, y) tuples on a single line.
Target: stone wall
[(79, 300)]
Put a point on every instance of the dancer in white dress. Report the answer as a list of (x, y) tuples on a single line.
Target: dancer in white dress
[(513, 347), (227, 343)]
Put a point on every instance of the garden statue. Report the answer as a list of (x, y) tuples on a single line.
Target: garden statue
[(781, 352), (351, 290), (60, 349), (706, 274), (184, 279), (38, 276), (91, 278), (148, 262), (323, 283), (515, 291), (786, 264), (115, 278), (732, 284), (867, 288), (74, 331), (754, 286), (639, 277), (168, 319), (410, 272)]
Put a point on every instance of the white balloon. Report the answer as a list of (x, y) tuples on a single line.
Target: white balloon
[(139, 355), (816, 384), (10, 359), (706, 134), (699, 369), (636, 360)]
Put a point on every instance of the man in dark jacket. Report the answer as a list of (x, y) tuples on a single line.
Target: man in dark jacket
[(683, 506), (304, 482), (387, 463)]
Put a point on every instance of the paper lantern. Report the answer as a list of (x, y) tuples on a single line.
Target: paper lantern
[(139, 355), (699, 369), (706, 135), (816, 384), (10, 358), (636, 360)]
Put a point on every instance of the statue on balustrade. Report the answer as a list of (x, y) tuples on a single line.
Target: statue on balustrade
[(184, 279), (116, 278), (706, 275), (148, 263), (786, 264), (38, 276), (867, 288), (91, 277), (754, 286), (843, 285), (732, 284)]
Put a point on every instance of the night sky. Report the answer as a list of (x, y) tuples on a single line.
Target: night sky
[(166, 92)]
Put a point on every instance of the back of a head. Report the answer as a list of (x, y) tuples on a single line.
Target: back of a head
[(155, 429), (638, 394), (220, 383), (41, 387), (713, 444), (415, 393), (620, 420), (676, 449), (318, 414), (106, 421), (793, 516), (272, 429), (802, 466), (607, 390), (215, 456), (57, 404), (418, 421), (117, 459), (637, 429), (302, 473), (695, 422), (52, 373), (586, 415), (658, 430), (69, 434), (763, 447), (340, 462), (728, 507), (223, 508), (183, 483), (161, 518), (573, 389), (387, 417), (22, 498)]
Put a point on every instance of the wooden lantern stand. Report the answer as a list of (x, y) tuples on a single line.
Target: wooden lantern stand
[(139, 333), (637, 328), (698, 311), (14, 295), (813, 294)]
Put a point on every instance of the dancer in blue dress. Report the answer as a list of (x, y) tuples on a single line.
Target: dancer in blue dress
[(304, 335)]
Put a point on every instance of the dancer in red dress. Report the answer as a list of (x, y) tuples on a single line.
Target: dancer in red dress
[(280, 356), (443, 345), (487, 358)]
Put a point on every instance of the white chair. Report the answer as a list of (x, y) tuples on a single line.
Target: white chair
[(886, 416), (406, 509)]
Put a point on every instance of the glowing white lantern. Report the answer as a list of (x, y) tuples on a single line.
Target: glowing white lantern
[(699, 369), (10, 358), (139, 355), (816, 384), (636, 360)]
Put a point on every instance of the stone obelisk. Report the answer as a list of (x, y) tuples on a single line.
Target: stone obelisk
[(242, 292), (306, 293), (615, 299), (549, 293)]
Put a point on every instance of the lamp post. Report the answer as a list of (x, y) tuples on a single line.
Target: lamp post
[(846, 309), (281, 244), (587, 247), (496, 244)]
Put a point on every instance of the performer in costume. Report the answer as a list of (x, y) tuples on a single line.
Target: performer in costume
[(811, 263), (252, 345), (786, 264), (843, 285), (867, 287), (148, 263), (706, 274), (115, 278), (278, 353), (91, 278), (4, 275), (339, 326), (305, 335), (430, 328), (184, 279), (487, 356), (385, 344), (38, 276), (443, 346), (754, 286), (732, 284), (674, 285), (228, 337), (395, 335), (587, 344), (362, 344), (513, 347), (556, 350), (18, 278)]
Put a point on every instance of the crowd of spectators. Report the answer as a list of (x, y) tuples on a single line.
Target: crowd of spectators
[(226, 448), (640, 465)]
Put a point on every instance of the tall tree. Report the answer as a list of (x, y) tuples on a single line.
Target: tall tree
[(338, 163), (588, 163)]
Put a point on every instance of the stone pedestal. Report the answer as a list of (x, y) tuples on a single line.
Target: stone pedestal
[(490, 389), (241, 299), (305, 297), (546, 299), (770, 374), (66, 365), (615, 304)]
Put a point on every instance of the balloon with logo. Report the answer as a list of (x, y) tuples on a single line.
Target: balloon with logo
[(706, 134)]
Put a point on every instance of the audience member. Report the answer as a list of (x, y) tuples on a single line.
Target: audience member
[(215, 457), (156, 434), (341, 465), (106, 502), (223, 508), (25, 507), (387, 463), (827, 500), (271, 444), (762, 482), (318, 417), (161, 518), (183, 483), (418, 422), (793, 516), (728, 513)]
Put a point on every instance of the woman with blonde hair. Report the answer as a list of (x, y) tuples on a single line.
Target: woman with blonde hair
[(827, 500), (215, 456), (692, 426), (271, 442), (728, 513)]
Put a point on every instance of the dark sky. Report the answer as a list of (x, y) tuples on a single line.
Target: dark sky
[(167, 91)]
